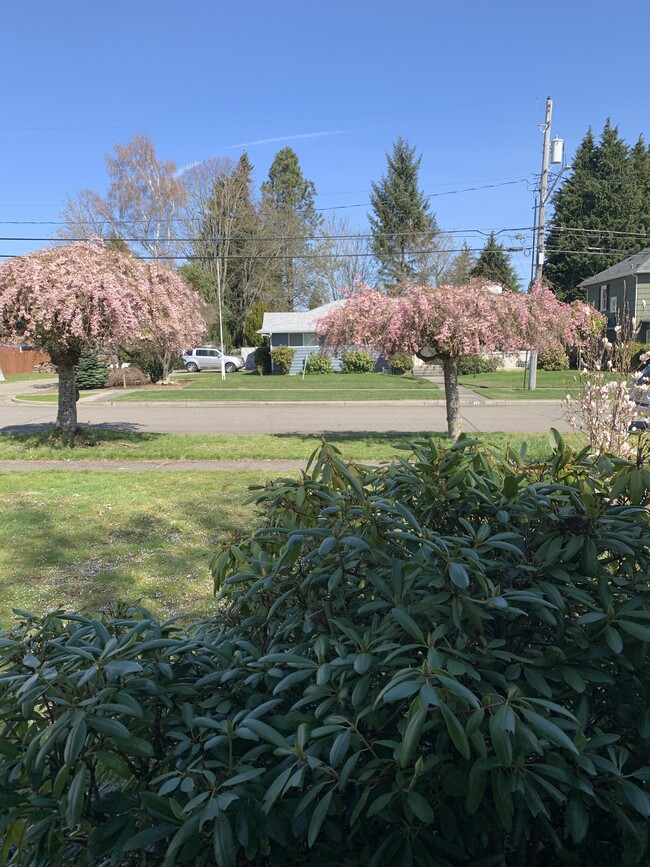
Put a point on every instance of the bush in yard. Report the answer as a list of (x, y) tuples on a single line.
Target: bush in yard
[(319, 363), (90, 372), (282, 357), (400, 363), (553, 359), (468, 365), (127, 377), (440, 661), (263, 359), (357, 361)]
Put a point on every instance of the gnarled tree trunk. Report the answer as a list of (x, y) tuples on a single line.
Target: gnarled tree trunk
[(452, 398)]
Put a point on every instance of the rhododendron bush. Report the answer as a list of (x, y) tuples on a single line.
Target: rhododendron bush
[(448, 322), (89, 296)]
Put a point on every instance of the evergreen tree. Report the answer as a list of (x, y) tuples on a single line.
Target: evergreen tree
[(494, 264), (89, 371), (595, 211), (403, 228), (460, 269), (288, 206)]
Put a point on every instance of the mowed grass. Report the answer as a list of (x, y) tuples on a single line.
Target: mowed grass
[(89, 539), (98, 443), (251, 387), (509, 384)]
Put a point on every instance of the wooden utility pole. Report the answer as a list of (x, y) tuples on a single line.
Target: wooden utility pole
[(541, 225)]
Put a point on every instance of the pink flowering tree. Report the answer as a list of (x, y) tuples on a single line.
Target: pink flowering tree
[(89, 296), (448, 322)]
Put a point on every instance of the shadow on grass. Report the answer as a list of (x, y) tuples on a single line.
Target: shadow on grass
[(68, 560)]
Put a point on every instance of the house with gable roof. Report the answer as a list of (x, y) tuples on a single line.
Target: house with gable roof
[(623, 290), (297, 330)]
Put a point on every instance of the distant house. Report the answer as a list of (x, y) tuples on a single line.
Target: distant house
[(297, 330), (623, 289)]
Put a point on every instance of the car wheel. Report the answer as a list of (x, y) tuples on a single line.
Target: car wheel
[(191, 367), (230, 367)]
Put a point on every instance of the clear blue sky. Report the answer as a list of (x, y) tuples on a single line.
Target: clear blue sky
[(465, 82)]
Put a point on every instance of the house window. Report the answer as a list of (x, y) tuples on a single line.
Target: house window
[(295, 339), (613, 304), (604, 294), (310, 339), (280, 339)]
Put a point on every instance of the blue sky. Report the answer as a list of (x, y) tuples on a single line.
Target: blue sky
[(465, 82)]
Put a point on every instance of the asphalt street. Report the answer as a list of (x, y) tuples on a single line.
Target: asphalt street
[(279, 418)]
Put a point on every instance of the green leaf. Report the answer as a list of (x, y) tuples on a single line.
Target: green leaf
[(639, 799), (379, 804), (147, 837), (459, 576), (635, 629), (120, 668), (267, 733), (107, 726), (340, 747), (475, 787), (75, 798), (75, 741), (317, 819), (420, 807), (456, 731), (412, 734), (407, 623), (544, 727), (223, 842), (613, 639), (576, 819), (459, 690)]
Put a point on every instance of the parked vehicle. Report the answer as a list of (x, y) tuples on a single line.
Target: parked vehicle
[(207, 358)]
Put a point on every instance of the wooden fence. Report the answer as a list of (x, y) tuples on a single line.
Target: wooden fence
[(16, 359)]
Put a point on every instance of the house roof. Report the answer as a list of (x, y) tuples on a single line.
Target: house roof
[(638, 263), (295, 323)]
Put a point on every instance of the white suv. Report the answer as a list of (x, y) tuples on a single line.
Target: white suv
[(206, 358)]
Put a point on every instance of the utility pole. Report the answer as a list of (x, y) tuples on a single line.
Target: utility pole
[(541, 225)]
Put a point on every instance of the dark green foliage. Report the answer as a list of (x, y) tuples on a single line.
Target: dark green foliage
[(597, 210), (471, 364), (460, 271), (438, 662), (263, 358), (400, 363), (319, 362), (401, 223), (282, 358), (253, 322), (553, 359), (291, 216), (357, 361), (494, 264), (636, 351), (90, 372)]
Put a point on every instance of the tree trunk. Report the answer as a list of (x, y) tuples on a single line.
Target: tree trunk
[(66, 419), (450, 371)]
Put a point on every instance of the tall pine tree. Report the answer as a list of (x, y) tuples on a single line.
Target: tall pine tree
[(290, 214), (494, 264), (597, 212), (403, 228)]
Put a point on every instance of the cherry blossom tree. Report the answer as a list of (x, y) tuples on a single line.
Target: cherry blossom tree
[(447, 322), (90, 296)]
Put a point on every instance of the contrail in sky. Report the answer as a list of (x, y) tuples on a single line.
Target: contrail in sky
[(260, 141)]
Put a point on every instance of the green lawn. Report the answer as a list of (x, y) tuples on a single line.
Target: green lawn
[(21, 377), (52, 396), (91, 538), (251, 387), (99, 444), (509, 384)]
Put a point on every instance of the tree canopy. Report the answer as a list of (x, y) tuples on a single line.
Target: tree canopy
[(451, 321), (494, 264), (601, 211), (89, 296), (403, 228)]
